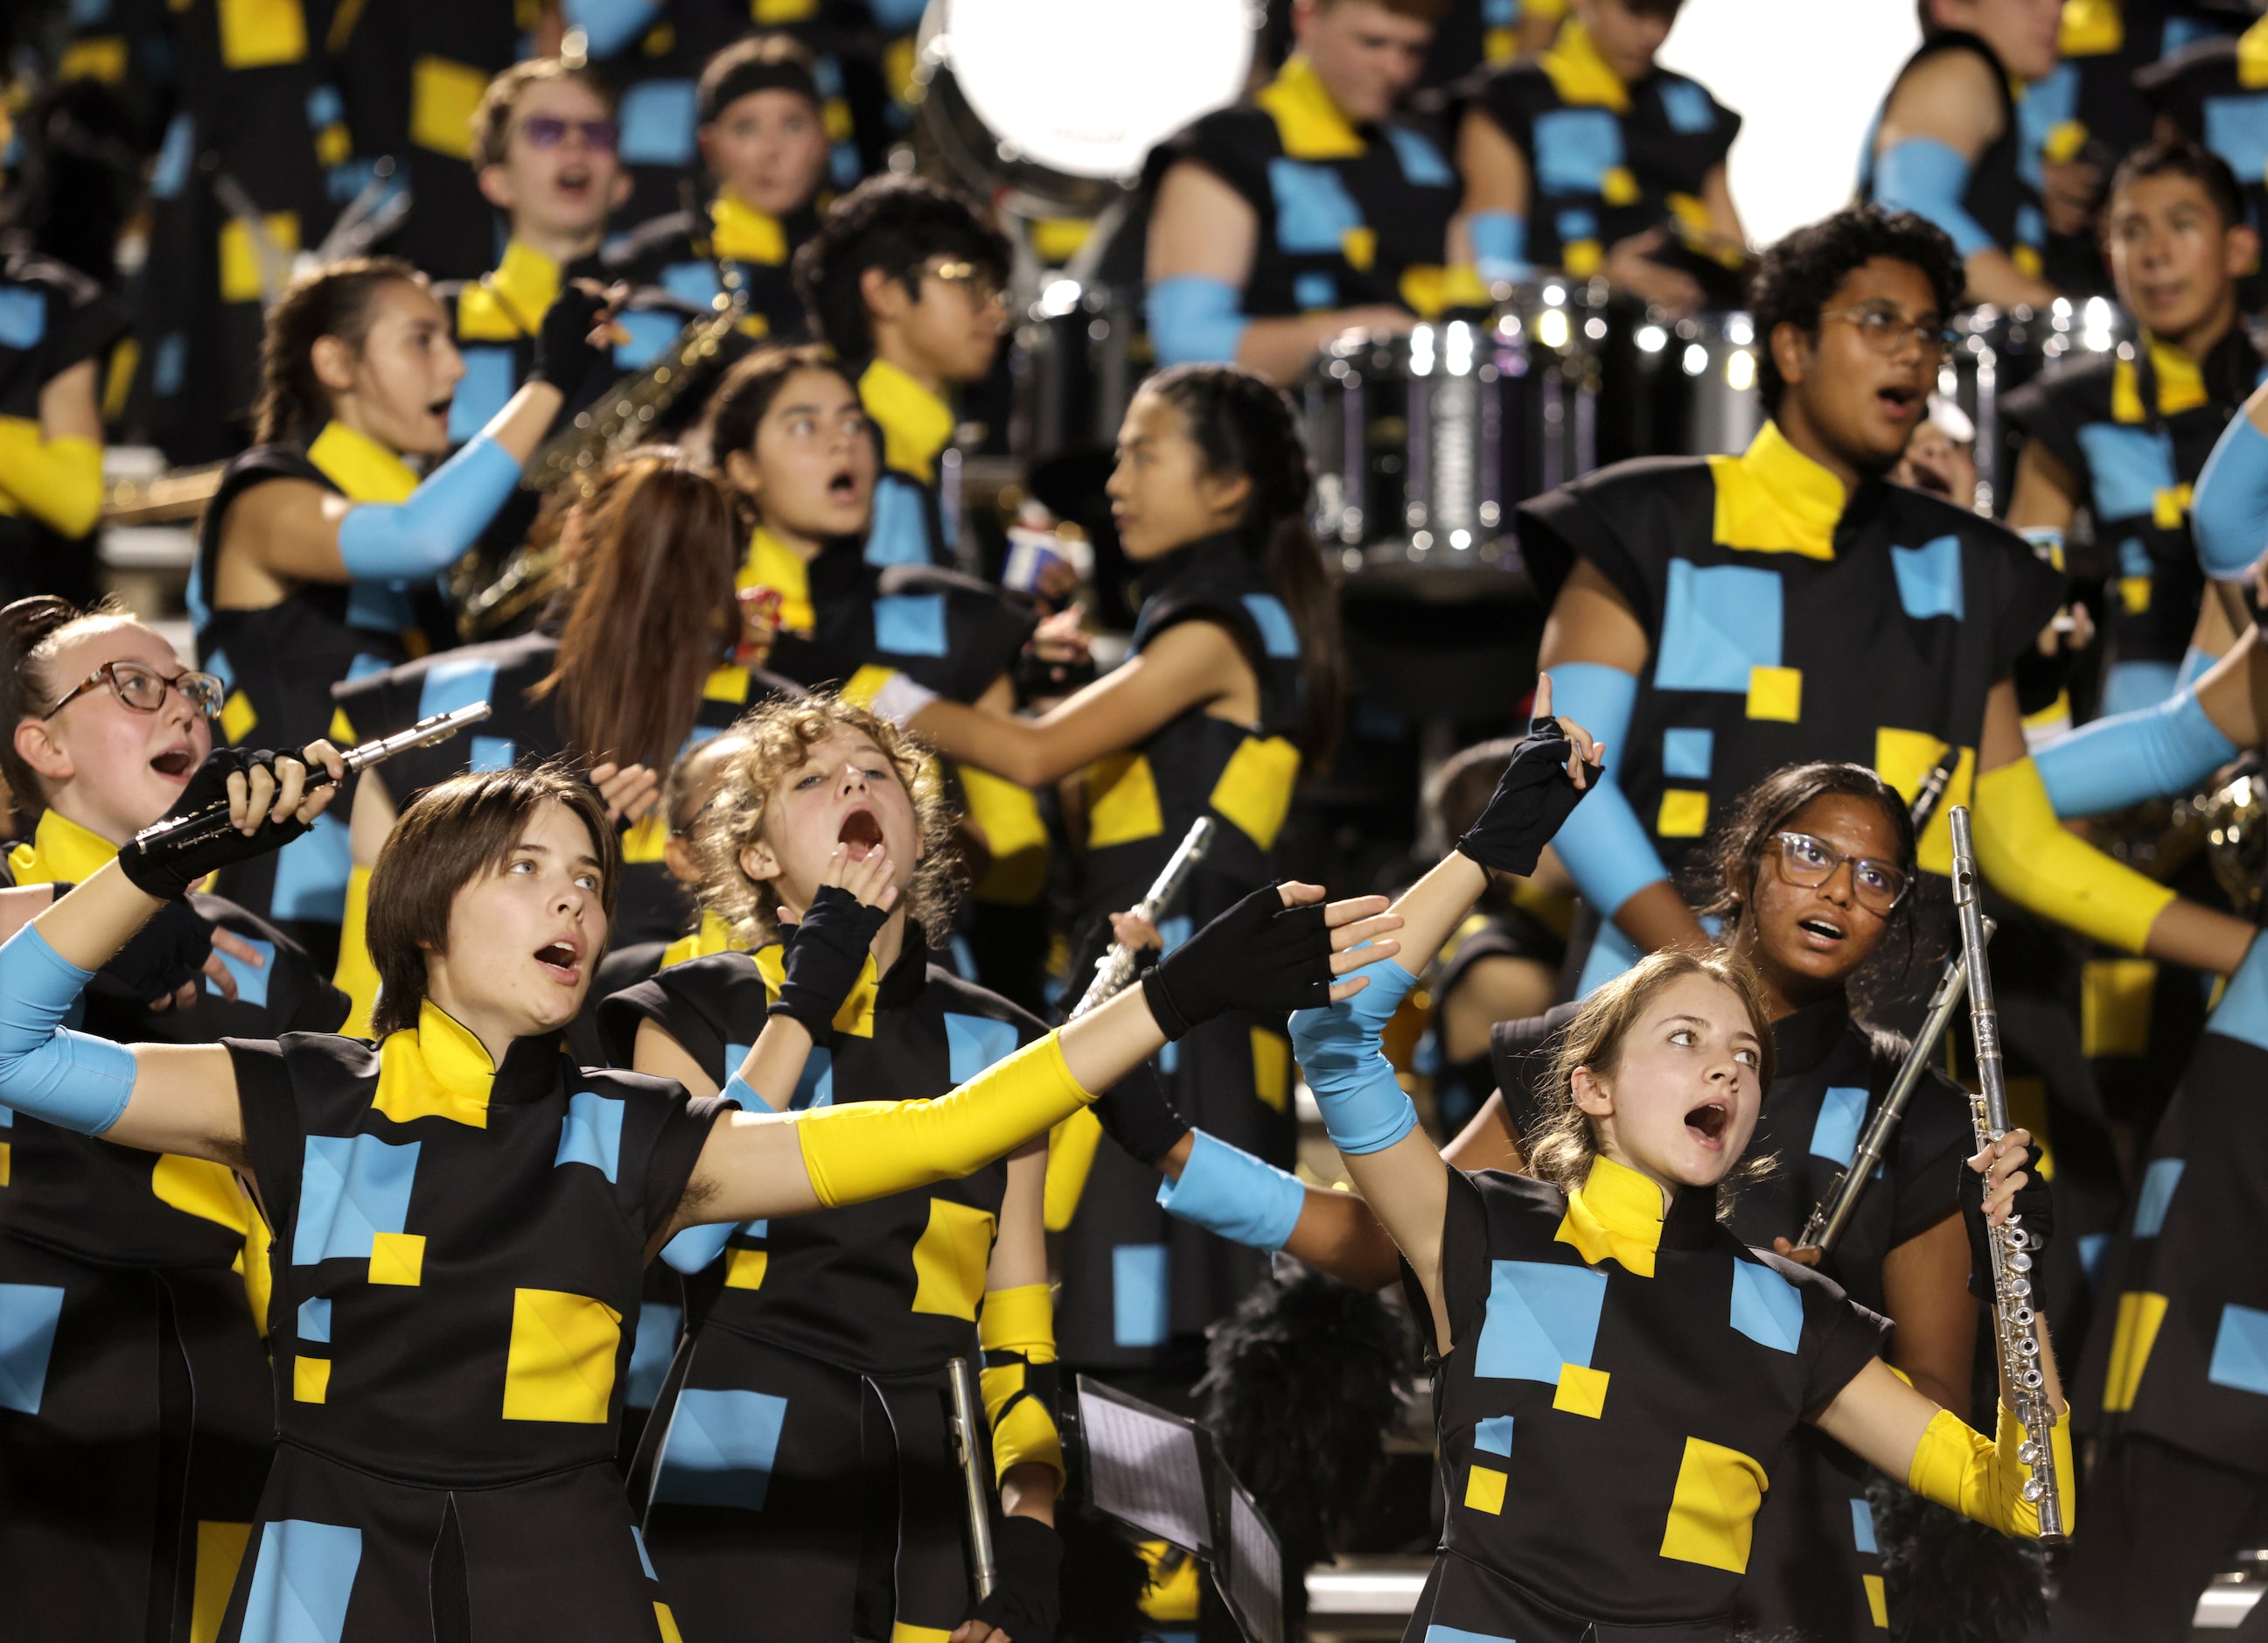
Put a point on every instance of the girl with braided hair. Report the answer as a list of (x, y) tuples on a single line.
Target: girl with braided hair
[(1232, 689)]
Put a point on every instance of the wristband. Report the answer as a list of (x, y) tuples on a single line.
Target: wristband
[(1227, 1190), (899, 699)]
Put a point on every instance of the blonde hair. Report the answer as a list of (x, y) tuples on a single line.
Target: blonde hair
[(1565, 1142), (777, 739)]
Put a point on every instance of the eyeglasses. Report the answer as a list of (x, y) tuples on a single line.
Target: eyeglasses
[(1885, 330), (983, 290), (143, 688), (1806, 861), (549, 131)]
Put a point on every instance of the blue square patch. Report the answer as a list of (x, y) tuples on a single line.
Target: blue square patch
[(1687, 754), (23, 316), (1718, 623), (1687, 106), (1314, 211), (456, 682), (302, 1580), (1575, 148), (911, 625), (2239, 1350), (592, 1133), (720, 1448), (1541, 1314), (2126, 468), (491, 378), (28, 1315), (975, 1042), (1278, 635), (657, 119), (2156, 1195), (351, 1187), (1842, 1115), (251, 979), (1929, 578), (1138, 1294), (1765, 1307), (1494, 1434)]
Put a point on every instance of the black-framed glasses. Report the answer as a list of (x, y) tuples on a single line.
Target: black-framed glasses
[(142, 688), (1885, 330), (549, 131), (1806, 861)]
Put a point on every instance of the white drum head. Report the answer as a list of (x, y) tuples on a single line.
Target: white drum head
[(1087, 87)]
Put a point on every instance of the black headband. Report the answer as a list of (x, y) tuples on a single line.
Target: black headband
[(744, 79)]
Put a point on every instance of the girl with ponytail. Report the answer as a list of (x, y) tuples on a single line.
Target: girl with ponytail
[(1232, 690), (317, 558)]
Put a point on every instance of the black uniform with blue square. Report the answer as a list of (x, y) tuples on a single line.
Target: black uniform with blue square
[(806, 1403), (2214, 92), (52, 319)]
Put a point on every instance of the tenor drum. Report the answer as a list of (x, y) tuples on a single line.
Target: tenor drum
[(1678, 388), (1997, 350), (1078, 353), (1423, 443)]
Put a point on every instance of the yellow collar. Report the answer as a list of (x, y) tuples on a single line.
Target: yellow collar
[(771, 563), (739, 231), (60, 852), (2252, 56), (527, 284), (1772, 498), (856, 1015), (434, 1070), (1308, 123), (1579, 75), (915, 423), (2180, 380), (1616, 1214), (714, 936), (362, 467)]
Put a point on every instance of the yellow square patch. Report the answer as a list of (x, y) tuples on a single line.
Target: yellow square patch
[(2169, 507), (744, 1269), (220, 1549), (1714, 1510), (5, 1152), (98, 58), (1903, 758), (1776, 693), (775, 13), (1484, 1490), (667, 1622), (950, 1258), (2134, 595), (237, 716), (1359, 247), (562, 1362), (257, 33), (1618, 187), (342, 732), (860, 690), (1121, 801), (647, 840), (397, 1258), (239, 258), (311, 1380), (2134, 1334), (1255, 789), (1009, 815), (1684, 813), (728, 683), (1581, 1391), (1582, 257), (1271, 1067), (442, 98), (206, 1191), (1878, 1602), (906, 1632), (2114, 1007), (2027, 1107)]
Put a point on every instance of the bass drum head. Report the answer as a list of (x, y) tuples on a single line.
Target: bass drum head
[(1062, 102)]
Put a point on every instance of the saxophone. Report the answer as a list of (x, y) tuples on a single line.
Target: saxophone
[(2015, 1323), (569, 466)]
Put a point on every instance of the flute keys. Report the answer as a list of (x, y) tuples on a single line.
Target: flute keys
[(2018, 1261), (2034, 1490), (2028, 1453)]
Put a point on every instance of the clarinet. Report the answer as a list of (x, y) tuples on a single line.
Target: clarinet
[(1117, 968), (213, 820), (2015, 1325), (1832, 1213)]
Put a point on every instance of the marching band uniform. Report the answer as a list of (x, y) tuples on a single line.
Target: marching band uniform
[(135, 1419), (51, 319), (811, 1391), (2214, 92), (725, 246)]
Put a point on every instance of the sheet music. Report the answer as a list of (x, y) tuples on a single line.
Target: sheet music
[(1256, 1570), (1145, 1469)]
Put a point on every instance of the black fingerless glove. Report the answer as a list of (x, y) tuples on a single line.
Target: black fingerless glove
[(2034, 1203), (825, 955), (1533, 797), (167, 867), (1138, 1114), (1028, 1601), (1260, 955), (564, 355), (1038, 679), (165, 953)]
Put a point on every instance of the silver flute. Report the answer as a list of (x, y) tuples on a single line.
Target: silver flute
[(975, 1476), (1117, 968), (2015, 1325)]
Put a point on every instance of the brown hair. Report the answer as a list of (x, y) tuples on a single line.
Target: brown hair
[(778, 737), (31, 631), (492, 119), (334, 300), (1422, 10), (444, 839), (744, 399), (654, 610), (1563, 1145), (760, 62)]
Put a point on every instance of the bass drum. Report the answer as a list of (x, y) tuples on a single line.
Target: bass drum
[(1996, 350), (1677, 388), (1423, 444), (1010, 94)]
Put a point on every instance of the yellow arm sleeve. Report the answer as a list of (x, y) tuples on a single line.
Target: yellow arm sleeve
[(1071, 1156), (1981, 1477), (2028, 856), (1017, 1330), (872, 1149), (57, 481), (357, 976)]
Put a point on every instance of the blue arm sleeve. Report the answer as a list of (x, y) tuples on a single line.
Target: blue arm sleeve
[(1363, 1105), (1604, 846), (443, 517), (608, 26), (696, 1247), (1194, 320), (1499, 245), (1928, 178), (1227, 1190), (72, 1081), (2154, 753), (2228, 516)]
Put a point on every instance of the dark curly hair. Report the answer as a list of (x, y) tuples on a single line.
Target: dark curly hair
[(1802, 273), (893, 224)]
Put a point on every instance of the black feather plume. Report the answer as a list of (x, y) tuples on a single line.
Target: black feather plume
[(1951, 1580)]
